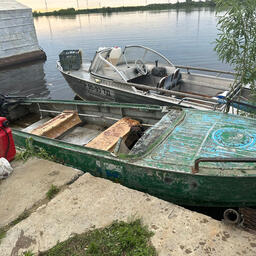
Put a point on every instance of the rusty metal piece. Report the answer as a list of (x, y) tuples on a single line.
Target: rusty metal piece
[(108, 139), (58, 125), (249, 217), (232, 216), (195, 168)]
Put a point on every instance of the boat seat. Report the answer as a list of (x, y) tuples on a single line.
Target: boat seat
[(58, 125), (109, 138), (169, 82)]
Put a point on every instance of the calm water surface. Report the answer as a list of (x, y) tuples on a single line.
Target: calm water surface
[(186, 38)]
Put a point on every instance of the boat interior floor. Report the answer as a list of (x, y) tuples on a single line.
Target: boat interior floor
[(78, 135), (189, 87), (122, 134)]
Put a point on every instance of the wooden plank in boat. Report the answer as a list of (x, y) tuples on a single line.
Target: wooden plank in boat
[(108, 139), (33, 126), (58, 125)]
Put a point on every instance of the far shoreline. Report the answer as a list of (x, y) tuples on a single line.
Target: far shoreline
[(109, 10)]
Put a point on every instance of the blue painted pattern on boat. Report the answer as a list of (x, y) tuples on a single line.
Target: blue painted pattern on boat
[(207, 134), (233, 137)]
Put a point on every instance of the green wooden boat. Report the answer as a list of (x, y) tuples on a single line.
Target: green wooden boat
[(186, 156)]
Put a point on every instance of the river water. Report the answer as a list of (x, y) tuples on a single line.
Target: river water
[(49, 5), (185, 37)]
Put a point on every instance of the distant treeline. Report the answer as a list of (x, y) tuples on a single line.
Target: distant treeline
[(150, 7)]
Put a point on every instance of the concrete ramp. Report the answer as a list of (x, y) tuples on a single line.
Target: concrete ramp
[(28, 184), (91, 203)]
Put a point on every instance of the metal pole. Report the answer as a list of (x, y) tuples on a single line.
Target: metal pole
[(167, 92), (205, 69), (46, 6), (195, 168)]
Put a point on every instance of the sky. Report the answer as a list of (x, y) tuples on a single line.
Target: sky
[(83, 4)]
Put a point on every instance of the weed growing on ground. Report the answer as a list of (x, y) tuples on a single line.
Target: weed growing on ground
[(3, 230), (2, 234), (28, 253), (23, 216), (52, 192), (120, 238), (30, 151)]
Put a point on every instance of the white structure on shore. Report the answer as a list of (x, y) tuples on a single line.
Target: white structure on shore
[(18, 40)]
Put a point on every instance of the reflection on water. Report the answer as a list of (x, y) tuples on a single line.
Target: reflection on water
[(185, 37), (28, 80)]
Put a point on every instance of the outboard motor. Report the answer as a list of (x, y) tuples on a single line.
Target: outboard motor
[(3, 105), (8, 104)]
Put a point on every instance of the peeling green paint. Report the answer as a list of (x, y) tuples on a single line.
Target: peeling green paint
[(163, 168)]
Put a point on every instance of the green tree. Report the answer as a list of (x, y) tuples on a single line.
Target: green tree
[(236, 42)]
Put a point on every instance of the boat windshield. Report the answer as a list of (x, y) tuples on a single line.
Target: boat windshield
[(132, 53), (123, 64)]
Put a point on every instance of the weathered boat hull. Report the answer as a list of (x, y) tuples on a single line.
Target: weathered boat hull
[(177, 187), (90, 91)]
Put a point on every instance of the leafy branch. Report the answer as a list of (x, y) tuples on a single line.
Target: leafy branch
[(236, 42)]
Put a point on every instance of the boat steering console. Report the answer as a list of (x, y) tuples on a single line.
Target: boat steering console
[(141, 67)]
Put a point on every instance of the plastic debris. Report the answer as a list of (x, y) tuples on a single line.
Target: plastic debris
[(5, 168)]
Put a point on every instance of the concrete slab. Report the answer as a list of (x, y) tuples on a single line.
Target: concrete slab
[(92, 203), (28, 184)]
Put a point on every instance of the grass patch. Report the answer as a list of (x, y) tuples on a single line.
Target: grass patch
[(31, 151), (120, 238), (28, 253), (2, 234), (3, 230), (23, 216), (52, 192)]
